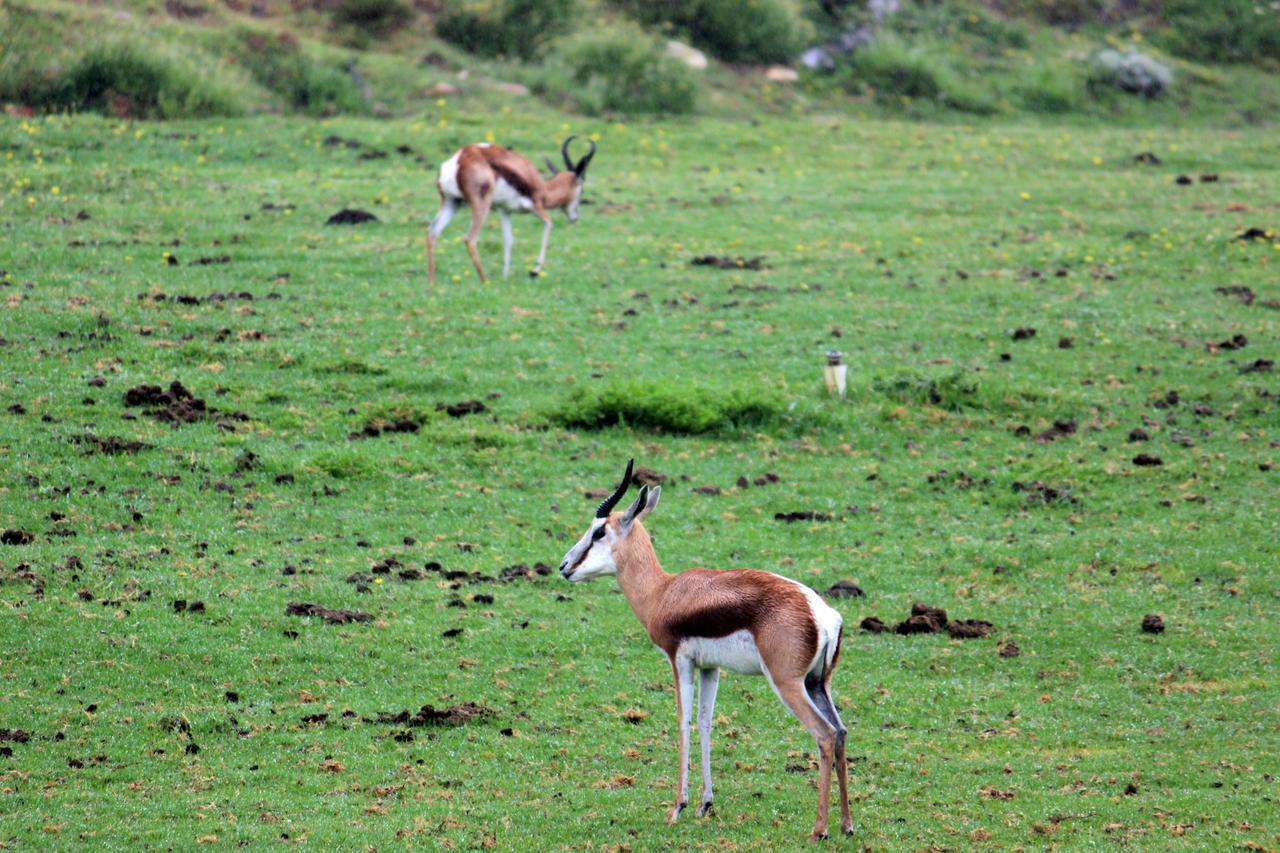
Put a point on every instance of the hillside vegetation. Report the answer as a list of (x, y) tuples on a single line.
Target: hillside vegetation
[(191, 58)]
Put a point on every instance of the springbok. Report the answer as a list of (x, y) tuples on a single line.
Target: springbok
[(744, 620), (485, 176)]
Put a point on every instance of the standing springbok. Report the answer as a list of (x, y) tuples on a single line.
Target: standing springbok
[(483, 176), (743, 620)]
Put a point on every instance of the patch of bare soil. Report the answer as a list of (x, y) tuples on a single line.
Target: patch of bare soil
[(1258, 365), (1147, 460), (643, 476), (1153, 623), (844, 589), (923, 620), (725, 262), (1023, 333), (1256, 233), (333, 617), (177, 405), (968, 629), (1244, 294)]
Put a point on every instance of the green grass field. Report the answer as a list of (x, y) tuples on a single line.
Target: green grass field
[(916, 249)]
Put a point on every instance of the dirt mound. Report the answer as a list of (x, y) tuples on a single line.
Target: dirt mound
[(429, 715), (725, 262), (17, 537), (333, 617), (803, 515), (111, 445), (377, 426), (1153, 623), (873, 625), (643, 476), (350, 216), (466, 407), (1043, 493), (844, 589), (1058, 430), (174, 406), (969, 629), (923, 620), (1238, 291)]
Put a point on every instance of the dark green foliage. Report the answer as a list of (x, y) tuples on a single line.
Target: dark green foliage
[(623, 72), (1224, 31), (277, 62), (732, 30), (955, 391), (374, 17), (517, 28), (122, 80), (893, 71), (668, 407)]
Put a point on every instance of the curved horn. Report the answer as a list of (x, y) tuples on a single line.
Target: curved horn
[(581, 168), (564, 152), (607, 506), (551, 166)]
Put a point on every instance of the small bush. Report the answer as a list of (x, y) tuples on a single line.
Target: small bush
[(668, 407), (1224, 31), (1051, 89), (280, 66), (373, 17), (518, 28), (622, 71), (119, 79), (893, 72), (733, 30)]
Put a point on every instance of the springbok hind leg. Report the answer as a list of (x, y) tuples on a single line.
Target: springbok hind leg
[(793, 694), (820, 695), (683, 669), (479, 212)]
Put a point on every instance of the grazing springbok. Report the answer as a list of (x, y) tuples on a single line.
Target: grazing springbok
[(485, 176), (743, 620)]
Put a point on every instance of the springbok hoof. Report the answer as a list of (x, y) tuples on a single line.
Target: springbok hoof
[(847, 830), (817, 836), (705, 809), (534, 273), (675, 812)]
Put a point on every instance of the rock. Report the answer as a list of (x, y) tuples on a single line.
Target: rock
[(781, 74), (690, 56), (1135, 72), (512, 88)]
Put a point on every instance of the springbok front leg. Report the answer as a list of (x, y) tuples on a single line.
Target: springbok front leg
[(706, 712), (448, 207), (479, 212), (508, 238), (683, 668), (546, 235), (793, 694)]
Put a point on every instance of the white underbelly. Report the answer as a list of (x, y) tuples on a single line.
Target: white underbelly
[(736, 652), (507, 197)]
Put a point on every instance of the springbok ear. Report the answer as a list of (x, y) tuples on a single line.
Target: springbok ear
[(643, 505), (551, 167)]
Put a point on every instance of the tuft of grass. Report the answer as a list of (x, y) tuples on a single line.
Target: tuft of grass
[(669, 407)]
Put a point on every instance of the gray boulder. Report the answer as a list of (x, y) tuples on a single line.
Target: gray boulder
[(1135, 72)]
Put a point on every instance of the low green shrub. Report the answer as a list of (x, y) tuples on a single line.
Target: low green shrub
[(619, 71), (120, 79), (668, 407), (1051, 89), (955, 391), (758, 31), (894, 71), (517, 28)]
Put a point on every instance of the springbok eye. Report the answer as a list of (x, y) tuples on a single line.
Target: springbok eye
[(599, 534)]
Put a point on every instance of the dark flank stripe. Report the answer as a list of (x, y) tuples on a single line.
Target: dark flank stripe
[(519, 183)]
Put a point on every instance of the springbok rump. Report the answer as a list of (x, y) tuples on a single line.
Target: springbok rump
[(485, 176), (743, 620)]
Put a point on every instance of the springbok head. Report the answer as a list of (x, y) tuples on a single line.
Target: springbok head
[(577, 170), (593, 553)]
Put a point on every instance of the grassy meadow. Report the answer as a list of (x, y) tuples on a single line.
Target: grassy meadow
[(197, 252)]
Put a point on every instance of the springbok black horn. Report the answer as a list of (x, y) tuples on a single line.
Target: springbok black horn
[(551, 166), (581, 168), (564, 152), (607, 506)]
